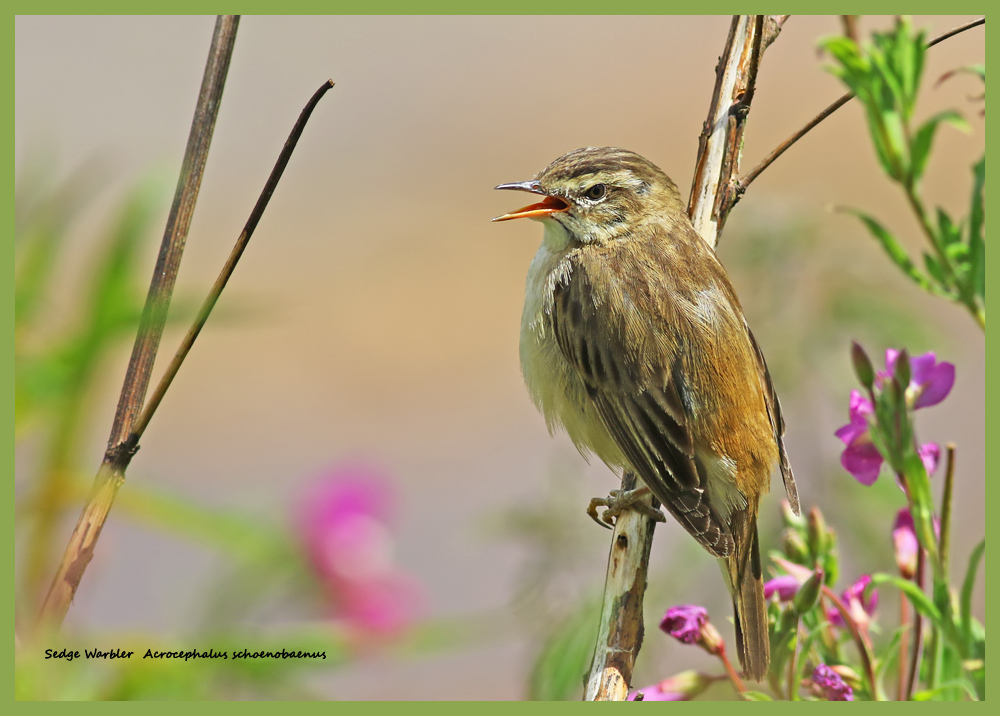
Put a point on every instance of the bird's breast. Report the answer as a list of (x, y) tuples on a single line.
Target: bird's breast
[(553, 383)]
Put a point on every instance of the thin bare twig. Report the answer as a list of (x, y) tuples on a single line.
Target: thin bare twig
[(230, 265), (744, 183), (121, 444)]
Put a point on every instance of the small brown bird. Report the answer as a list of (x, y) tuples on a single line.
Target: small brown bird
[(633, 340)]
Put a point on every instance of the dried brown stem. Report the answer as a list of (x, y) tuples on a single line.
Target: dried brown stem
[(721, 138), (121, 444), (742, 185), (230, 265), (621, 629)]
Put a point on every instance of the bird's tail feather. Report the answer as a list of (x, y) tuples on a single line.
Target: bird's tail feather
[(753, 645)]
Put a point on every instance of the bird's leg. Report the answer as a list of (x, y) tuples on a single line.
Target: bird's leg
[(620, 500)]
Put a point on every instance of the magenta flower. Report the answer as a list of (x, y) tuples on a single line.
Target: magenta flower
[(860, 607), (930, 455), (830, 684), (860, 457), (685, 622), (680, 687), (930, 381), (784, 585), (906, 546), (905, 543), (342, 523)]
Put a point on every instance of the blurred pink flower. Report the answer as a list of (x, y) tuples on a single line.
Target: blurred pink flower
[(689, 623), (930, 455), (784, 585), (343, 524), (860, 457), (930, 381), (680, 687), (684, 623), (905, 543), (830, 685), (860, 606)]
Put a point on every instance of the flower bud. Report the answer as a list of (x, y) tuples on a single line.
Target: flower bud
[(789, 517), (906, 546), (711, 639), (849, 675), (817, 533), (794, 547), (902, 368), (862, 365), (808, 595)]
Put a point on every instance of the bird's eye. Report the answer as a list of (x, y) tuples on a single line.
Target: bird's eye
[(596, 192)]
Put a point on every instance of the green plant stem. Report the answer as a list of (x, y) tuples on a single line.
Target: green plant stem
[(946, 506), (914, 671), (860, 639), (793, 692), (904, 647), (965, 295)]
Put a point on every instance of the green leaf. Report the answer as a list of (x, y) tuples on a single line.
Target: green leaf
[(756, 696), (920, 147), (932, 694), (968, 586), (892, 248), (890, 652), (933, 267), (559, 670), (920, 601)]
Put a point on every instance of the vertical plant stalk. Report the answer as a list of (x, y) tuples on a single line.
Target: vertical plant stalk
[(861, 640), (713, 185), (946, 506), (904, 646), (918, 627), (122, 444), (621, 628)]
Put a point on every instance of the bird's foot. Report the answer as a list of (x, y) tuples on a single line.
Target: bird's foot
[(617, 502)]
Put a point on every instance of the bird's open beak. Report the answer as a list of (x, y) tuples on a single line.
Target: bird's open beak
[(546, 207)]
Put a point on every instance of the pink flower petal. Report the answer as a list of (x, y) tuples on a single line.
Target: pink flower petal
[(863, 461)]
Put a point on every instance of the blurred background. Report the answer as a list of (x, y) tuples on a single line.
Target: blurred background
[(364, 361)]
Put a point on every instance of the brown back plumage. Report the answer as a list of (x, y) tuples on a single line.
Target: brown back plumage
[(646, 318)]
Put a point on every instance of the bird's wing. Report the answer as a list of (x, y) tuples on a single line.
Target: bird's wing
[(646, 419), (777, 424)]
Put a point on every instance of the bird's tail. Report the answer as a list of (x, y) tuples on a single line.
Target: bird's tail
[(753, 645)]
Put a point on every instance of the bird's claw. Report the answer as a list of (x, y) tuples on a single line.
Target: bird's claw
[(619, 501)]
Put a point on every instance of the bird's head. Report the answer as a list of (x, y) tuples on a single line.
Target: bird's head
[(599, 194)]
